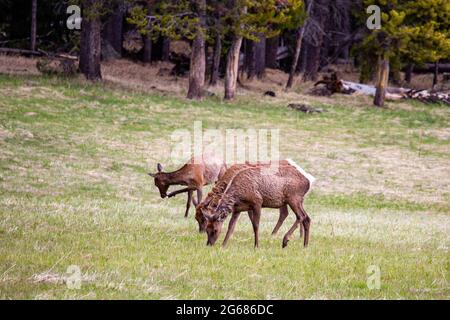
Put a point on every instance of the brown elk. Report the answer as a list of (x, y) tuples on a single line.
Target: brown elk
[(213, 197), (253, 189), (196, 173)]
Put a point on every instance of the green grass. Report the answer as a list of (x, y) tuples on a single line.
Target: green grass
[(74, 191)]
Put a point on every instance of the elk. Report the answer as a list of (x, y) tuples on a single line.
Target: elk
[(213, 197), (253, 189), (196, 173)]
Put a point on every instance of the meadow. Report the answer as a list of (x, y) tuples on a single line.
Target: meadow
[(75, 196)]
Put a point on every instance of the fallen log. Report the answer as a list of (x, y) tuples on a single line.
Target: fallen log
[(20, 51), (37, 53), (392, 93), (335, 85), (426, 96)]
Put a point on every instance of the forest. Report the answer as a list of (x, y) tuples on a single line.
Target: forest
[(387, 41)]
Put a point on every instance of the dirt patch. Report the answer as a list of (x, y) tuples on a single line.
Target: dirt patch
[(441, 134), (5, 134), (18, 65), (144, 77)]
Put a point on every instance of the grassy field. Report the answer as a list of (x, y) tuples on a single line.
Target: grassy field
[(74, 192)]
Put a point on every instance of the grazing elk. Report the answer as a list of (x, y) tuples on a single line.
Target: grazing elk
[(213, 197), (253, 189), (196, 173)]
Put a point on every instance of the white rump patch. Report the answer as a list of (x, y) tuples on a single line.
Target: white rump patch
[(310, 178)]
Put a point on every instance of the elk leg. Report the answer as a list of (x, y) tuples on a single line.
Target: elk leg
[(188, 203), (283, 215), (199, 195), (302, 219), (250, 214), (291, 230), (298, 214), (255, 223), (306, 223), (174, 193), (302, 230), (231, 226)]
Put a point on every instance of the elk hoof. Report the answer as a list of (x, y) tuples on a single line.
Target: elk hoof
[(285, 243)]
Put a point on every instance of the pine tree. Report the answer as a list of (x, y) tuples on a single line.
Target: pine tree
[(411, 31), (252, 20)]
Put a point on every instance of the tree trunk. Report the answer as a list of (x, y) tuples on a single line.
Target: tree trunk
[(33, 25), (249, 56), (113, 31), (298, 48), (198, 64), (301, 66), (344, 27), (382, 81), (216, 61), (396, 78), (255, 58), (147, 50), (260, 57), (436, 74), (90, 43), (271, 52), (165, 51), (231, 73), (408, 73), (314, 49), (312, 63)]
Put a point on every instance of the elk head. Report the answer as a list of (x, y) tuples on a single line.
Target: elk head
[(201, 210), (214, 225), (214, 222), (161, 180)]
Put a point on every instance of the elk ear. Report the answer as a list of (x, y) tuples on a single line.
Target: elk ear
[(152, 174), (194, 201), (159, 167)]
